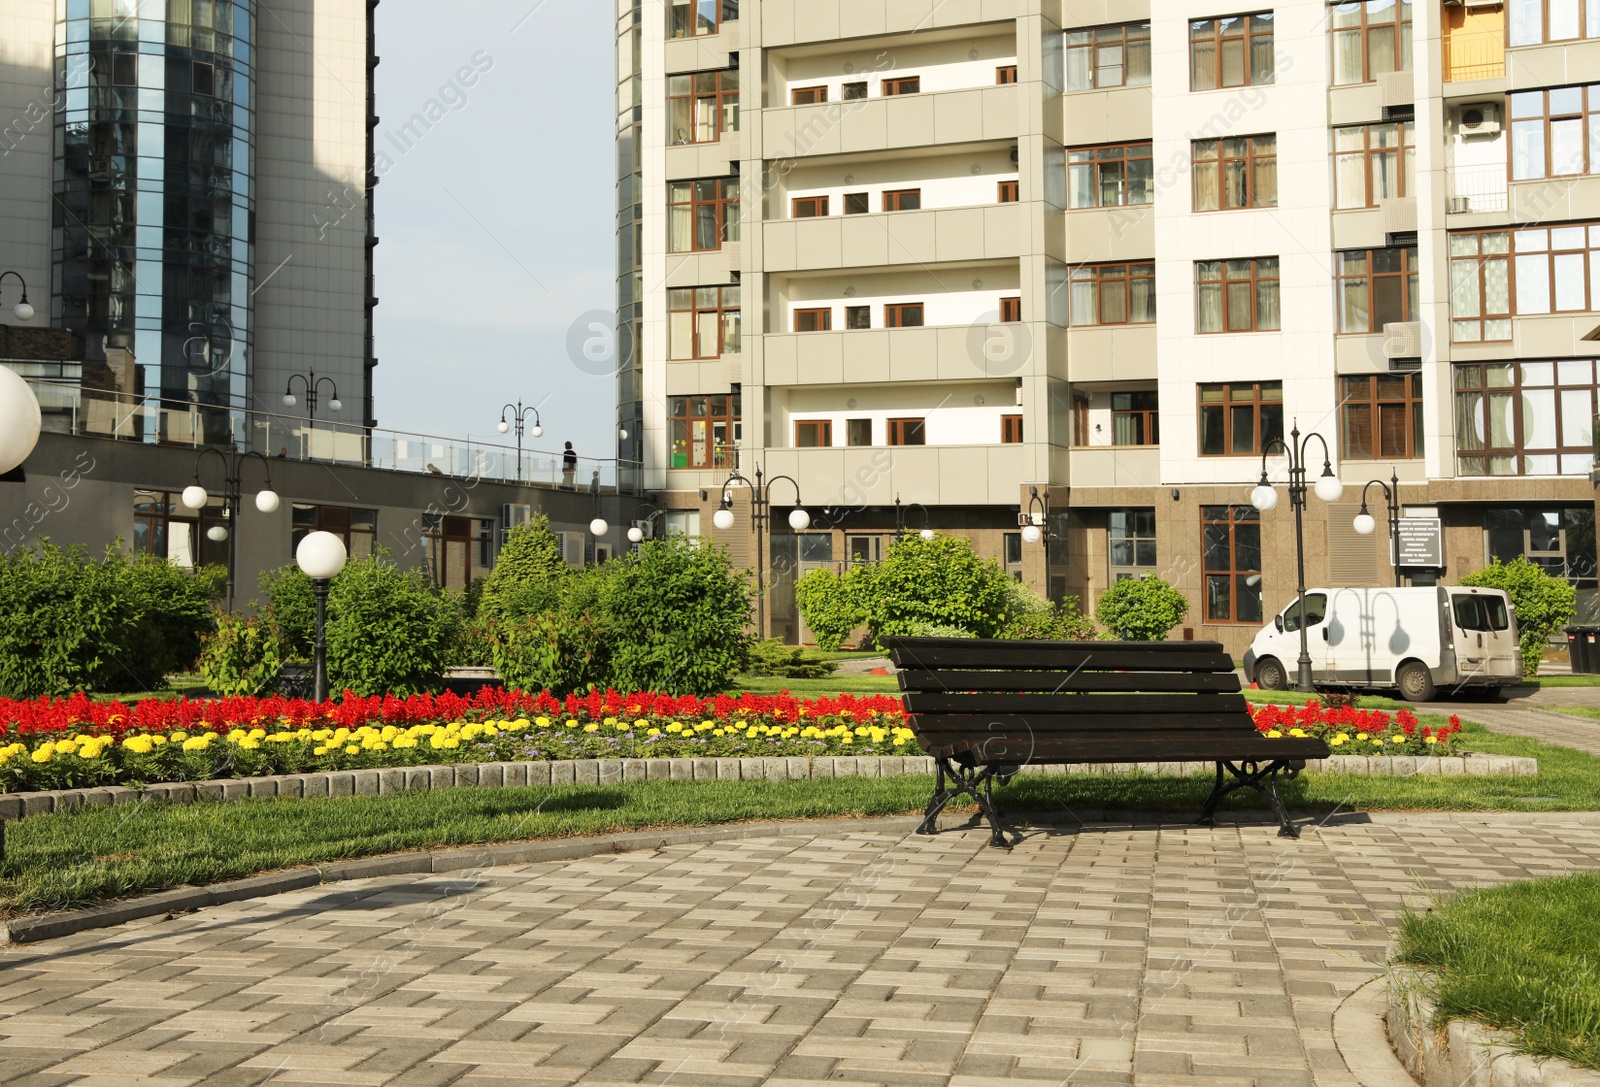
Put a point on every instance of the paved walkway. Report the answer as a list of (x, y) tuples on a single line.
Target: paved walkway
[(1114, 954), (1521, 719)]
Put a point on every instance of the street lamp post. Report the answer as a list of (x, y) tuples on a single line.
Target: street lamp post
[(900, 522), (22, 309), (195, 497), (309, 385), (1264, 496), (1037, 528), (519, 419), (320, 556), (1365, 524), (799, 520), (20, 422)]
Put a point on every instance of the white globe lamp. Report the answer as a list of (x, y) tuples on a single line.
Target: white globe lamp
[(504, 427), (1031, 534), (23, 311), (799, 519), (1263, 497), (635, 534), (267, 501), (723, 518), (927, 534), (1329, 487), (538, 431), (217, 533), (321, 555), (194, 496), (20, 420), (598, 527), (288, 400), (334, 405), (1364, 523)]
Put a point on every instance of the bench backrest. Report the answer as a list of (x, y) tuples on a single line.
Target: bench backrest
[(983, 700)]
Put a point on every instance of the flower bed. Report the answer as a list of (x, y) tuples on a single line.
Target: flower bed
[(76, 742)]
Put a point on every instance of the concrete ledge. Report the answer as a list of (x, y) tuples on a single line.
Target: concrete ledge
[(385, 782), (1463, 1053)]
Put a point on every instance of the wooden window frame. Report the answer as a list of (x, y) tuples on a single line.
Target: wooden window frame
[(901, 429), (1011, 429), (895, 314), (1404, 151), (710, 411), (1005, 75), (819, 205), (1149, 418), (1133, 537), (728, 301), (1585, 115), (813, 96), (1114, 276), (1220, 34), (850, 313), (1226, 279), (1080, 421), (1233, 518), (1220, 154), (1363, 30), (726, 196), (823, 429), (339, 520), (864, 199), (848, 92), (1011, 310), (1097, 158), (165, 509), (824, 314), (725, 11), (902, 84), (1008, 192), (1090, 40), (475, 535), (892, 199), (725, 92), (848, 424), (1407, 274), (1260, 435), (1367, 395), (1480, 260), (1471, 379), (1585, 32)]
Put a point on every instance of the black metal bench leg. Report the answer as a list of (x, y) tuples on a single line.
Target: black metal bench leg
[(985, 799), (1208, 814), (941, 796), (1286, 828)]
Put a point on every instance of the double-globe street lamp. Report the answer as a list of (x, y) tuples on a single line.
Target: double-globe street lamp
[(195, 497), (1365, 524), (799, 521), (310, 385), (1264, 497), (320, 556), (519, 419)]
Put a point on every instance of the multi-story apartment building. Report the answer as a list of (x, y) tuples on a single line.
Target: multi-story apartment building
[(184, 185), (947, 263)]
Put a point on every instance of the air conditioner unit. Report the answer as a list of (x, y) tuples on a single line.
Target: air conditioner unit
[(1479, 119), (571, 547), (1473, 5), (1459, 205), (644, 528)]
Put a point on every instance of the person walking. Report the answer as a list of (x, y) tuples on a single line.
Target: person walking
[(569, 467)]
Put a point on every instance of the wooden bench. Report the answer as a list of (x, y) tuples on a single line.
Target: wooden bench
[(985, 708)]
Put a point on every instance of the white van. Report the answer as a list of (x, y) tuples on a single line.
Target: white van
[(1418, 640)]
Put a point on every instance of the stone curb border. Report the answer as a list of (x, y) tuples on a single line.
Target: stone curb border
[(386, 782), (1360, 1036), (1464, 1053)]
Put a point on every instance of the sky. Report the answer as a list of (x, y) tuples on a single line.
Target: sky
[(497, 226)]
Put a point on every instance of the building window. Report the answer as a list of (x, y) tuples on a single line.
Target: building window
[(906, 84), (1108, 56), (694, 17), (358, 528), (1238, 172), (1534, 22), (858, 431), (1525, 418), (702, 214), (1380, 417), (813, 320), (1561, 539), (1237, 295), (1010, 310), (1135, 419), (813, 434), (164, 527), (808, 96), (902, 200), (855, 203), (1240, 419), (1108, 177), (1233, 51), (1373, 163), (456, 550), (705, 431), (1010, 429), (1131, 543), (702, 322), (1009, 192), (1112, 294), (1232, 544), (854, 91), (1480, 286), (908, 432), (1012, 544), (1006, 73), (858, 317), (1375, 287), (204, 76), (1554, 132), (902, 315), (1370, 37), (702, 106), (809, 207)]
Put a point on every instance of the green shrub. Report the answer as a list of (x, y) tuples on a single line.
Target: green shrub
[(1544, 604), (120, 624), (243, 656), (1141, 609), (918, 629), (773, 658), (831, 605), (389, 631), (528, 576), (1042, 620), (935, 583), (294, 609), (556, 650)]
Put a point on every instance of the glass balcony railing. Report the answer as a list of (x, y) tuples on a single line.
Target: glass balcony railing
[(71, 409)]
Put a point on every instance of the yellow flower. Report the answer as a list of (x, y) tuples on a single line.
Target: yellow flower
[(196, 743), (674, 727), (716, 732), (66, 747), (179, 734), (571, 723), (1273, 734), (319, 750), (377, 745), (1397, 739), (591, 727), (1430, 739), (623, 726), (847, 739), (611, 720), (44, 753), (655, 732), (641, 723), (543, 722), (352, 750), (1361, 735)]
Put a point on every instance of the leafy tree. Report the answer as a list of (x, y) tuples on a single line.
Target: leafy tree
[(528, 577), (831, 605), (935, 583), (1141, 609), (1544, 604)]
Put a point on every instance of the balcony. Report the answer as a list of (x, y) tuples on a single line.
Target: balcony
[(953, 475), (1475, 189), (947, 353), (987, 232), (1115, 466), (795, 22), (1474, 52), (888, 123)]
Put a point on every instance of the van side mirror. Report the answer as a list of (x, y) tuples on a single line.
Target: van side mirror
[(1277, 621)]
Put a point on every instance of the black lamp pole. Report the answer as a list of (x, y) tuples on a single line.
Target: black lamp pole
[(319, 587), (759, 506), (519, 420), (309, 385), (1391, 494), (1041, 503), (232, 465)]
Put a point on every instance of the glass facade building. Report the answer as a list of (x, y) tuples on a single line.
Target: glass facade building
[(630, 237)]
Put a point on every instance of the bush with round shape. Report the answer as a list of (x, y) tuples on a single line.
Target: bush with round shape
[(1544, 604), (831, 605), (528, 578), (1141, 609), (935, 583), (242, 656)]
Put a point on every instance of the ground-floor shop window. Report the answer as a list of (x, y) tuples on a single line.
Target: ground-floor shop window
[(1231, 538), (1131, 543), (164, 526), (1559, 538)]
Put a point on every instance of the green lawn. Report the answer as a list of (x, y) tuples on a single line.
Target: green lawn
[(827, 685), (1520, 957), (1576, 711), (92, 854), (1563, 681), (843, 654)]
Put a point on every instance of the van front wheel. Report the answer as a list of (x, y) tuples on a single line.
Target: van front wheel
[(1270, 675), (1415, 684)]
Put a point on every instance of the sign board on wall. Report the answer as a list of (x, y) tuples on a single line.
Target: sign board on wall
[(1421, 541)]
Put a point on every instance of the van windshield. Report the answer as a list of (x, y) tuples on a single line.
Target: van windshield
[(1316, 611)]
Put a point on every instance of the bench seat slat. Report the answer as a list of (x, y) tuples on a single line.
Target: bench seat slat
[(1186, 705), (1069, 658), (1199, 747), (983, 724), (968, 680)]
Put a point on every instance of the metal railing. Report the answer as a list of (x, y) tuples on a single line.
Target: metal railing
[(69, 408), (1477, 188), (1474, 54)]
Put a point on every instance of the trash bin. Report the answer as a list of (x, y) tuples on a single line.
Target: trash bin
[(1583, 648)]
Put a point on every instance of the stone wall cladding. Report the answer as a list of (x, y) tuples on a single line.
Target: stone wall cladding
[(385, 782)]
